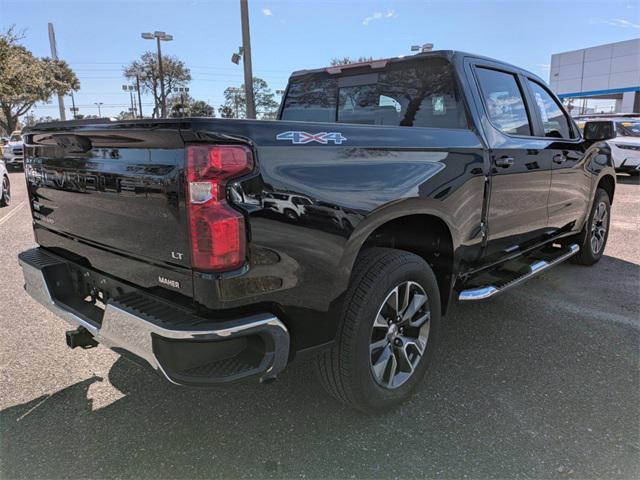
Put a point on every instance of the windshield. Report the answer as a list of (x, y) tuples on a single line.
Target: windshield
[(15, 138), (629, 128)]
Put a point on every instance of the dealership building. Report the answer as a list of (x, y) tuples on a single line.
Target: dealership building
[(604, 78)]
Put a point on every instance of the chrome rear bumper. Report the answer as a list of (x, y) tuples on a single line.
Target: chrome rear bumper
[(128, 327)]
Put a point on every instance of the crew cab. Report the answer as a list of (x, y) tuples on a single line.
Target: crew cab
[(445, 177)]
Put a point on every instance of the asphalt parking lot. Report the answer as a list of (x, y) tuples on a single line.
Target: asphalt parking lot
[(543, 382)]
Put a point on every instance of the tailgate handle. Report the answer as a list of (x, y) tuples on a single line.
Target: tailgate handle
[(72, 143)]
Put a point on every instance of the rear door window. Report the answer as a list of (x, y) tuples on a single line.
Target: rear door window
[(554, 119), (504, 101)]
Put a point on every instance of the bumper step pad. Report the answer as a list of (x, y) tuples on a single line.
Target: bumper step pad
[(181, 346)]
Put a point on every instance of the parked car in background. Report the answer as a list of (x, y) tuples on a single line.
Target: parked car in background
[(625, 141), (5, 186), (331, 213), (291, 206), (13, 152)]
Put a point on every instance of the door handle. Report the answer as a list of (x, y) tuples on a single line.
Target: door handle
[(504, 162), (559, 158)]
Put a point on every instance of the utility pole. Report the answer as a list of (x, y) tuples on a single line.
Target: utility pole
[(74, 110), (139, 97), (248, 73), (54, 55), (134, 112)]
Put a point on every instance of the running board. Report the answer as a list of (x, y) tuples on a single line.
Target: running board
[(535, 268)]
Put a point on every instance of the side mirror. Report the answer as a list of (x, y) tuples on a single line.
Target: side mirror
[(599, 131)]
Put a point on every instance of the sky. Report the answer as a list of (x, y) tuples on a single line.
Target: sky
[(98, 37)]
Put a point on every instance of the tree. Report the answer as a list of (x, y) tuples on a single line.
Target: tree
[(200, 108), (125, 115), (346, 60), (176, 74), (226, 112), (186, 106), (235, 101), (26, 79)]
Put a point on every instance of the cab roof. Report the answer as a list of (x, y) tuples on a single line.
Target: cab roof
[(451, 55)]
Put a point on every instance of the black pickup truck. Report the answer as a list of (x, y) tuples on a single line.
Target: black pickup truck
[(213, 250)]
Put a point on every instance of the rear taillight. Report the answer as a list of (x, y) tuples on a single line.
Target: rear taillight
[(218, 239)]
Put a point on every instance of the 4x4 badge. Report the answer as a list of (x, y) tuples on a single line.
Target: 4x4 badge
[(300, 138)]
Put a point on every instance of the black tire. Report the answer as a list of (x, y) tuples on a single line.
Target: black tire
[(6, 192), (290, 215), (346, 370), (589, 254)]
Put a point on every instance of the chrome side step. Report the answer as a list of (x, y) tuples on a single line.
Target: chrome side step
[(537, 267)]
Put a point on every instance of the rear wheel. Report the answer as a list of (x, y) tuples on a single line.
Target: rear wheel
[(5, 199), (595, 233), (387, 331)]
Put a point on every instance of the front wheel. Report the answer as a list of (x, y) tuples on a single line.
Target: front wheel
[(595, 233), (387, 331), (290, 215)]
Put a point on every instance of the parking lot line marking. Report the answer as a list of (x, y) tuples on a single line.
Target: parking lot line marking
[(34, 407), (12, 212)]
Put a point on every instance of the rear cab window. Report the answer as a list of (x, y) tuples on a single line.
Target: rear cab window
[(420, 93)]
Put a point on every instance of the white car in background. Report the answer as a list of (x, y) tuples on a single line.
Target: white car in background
[(13, 152), (625, 146), (289, 205), (5, 186)]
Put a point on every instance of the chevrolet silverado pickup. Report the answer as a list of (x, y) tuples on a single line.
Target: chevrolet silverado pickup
[(214, 250)]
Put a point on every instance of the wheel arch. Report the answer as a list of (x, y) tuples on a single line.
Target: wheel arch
[(608, 184), (427, 235)]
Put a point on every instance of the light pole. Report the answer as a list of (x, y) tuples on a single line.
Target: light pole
[(182, 91), (98, 104), (164, 37), (236, 98), (131, 89)]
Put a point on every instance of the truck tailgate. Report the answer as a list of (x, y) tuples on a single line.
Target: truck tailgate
[(118, 187)]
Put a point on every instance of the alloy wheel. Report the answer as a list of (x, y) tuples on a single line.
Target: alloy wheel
[(399, 335), (599, 227)]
